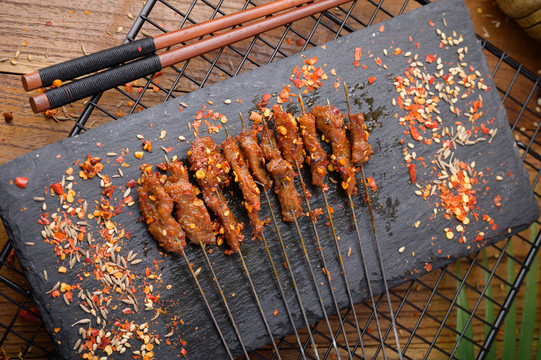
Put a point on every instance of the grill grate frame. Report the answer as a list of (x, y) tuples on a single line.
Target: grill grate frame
[(430, 296)]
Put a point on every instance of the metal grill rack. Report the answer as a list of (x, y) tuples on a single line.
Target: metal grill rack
[(424, 309)]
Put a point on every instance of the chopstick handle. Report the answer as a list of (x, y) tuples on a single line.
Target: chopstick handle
[(89, 63), (96, 83)]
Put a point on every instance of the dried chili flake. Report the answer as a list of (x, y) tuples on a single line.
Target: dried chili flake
[(430, 58), (307, 76), (411, 169), (57, 188), (357, 56), (371, 183), (32, 315), (147, 145), (371, 79), (21, 182), (49, 113), (91, 167), (265, 99)]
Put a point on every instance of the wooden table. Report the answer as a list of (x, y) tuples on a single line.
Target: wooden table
[(38, 33)]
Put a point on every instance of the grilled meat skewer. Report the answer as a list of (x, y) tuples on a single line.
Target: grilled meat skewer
[(316, 157), (156, 207), (283, 175), (360, 148), (190, 211), (330, 121), (287, 135), (254, 156), (250, 191), (211, 171)]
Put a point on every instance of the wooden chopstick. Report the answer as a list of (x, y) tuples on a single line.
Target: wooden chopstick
[(130, 51), (108, 79)]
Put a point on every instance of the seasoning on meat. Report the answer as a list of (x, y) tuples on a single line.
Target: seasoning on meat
[(190, 211), (211, 171), (156, 207), (283, 175), (360, 148), (316, 157), (254, 157), (330, 121), (252, 200), (288, 137), (269, 147)]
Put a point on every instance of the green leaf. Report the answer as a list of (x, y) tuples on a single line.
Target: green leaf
[(489, 307), (465, 348), (529, 311), (510, 324)]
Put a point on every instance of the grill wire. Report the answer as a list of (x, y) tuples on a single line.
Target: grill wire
[(425, 308)]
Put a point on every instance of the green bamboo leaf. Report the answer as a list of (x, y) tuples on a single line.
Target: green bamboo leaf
[(510, 324), (529, 311), (489, 307), (465, 348)]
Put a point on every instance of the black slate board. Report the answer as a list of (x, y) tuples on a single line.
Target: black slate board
[(396, 206)]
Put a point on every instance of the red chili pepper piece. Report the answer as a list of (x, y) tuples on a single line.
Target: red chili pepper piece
[(21, 182), (411, 169), (57, 188)]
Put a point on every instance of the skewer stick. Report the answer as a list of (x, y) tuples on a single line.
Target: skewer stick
[(267, 327), (318, 243), (339, 253), (259, 304), (290, 272), (215, 278), (301, 347), (365, 268), (242, 120), (307, 258), (207, 305), (382, 268), (343, 269)]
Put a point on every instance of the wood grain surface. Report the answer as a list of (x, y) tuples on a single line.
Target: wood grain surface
[(58, 31)]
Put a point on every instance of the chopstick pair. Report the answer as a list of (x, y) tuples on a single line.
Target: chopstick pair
[(149, 62)]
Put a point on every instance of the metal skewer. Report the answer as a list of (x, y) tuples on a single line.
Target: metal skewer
[(290, 271), (339, 253), (207, 305), (327, 273), (288, 311), (307, 258), (254, 292), (215, 278), (384, 277), (301, 347), (365, 268)]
